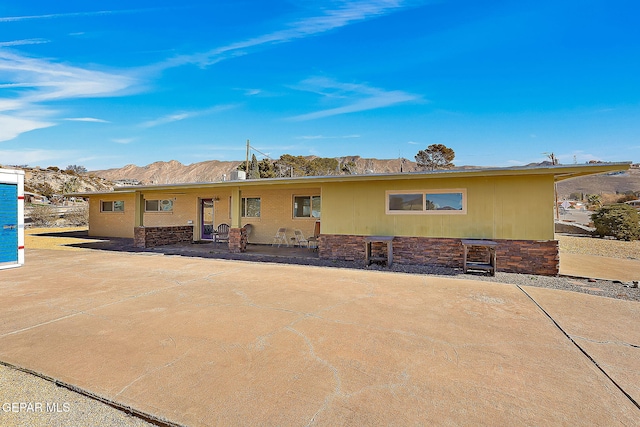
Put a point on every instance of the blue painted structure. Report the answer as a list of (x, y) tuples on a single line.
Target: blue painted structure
[(11, 218)]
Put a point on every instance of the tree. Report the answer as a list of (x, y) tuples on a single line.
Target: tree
[(322, 166), (267, 170), (290, 166), (594, 201), (436, 156), (76, 168), (254, 171), (620, 221)]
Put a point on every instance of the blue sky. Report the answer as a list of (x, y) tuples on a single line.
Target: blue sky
[(109, 83)]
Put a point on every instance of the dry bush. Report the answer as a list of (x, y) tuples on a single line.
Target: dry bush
[(43, 215), (77, 216)]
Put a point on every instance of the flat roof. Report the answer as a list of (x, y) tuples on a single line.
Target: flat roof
[(559, 172)]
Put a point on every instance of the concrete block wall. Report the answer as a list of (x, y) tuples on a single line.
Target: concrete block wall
[(513, 256)]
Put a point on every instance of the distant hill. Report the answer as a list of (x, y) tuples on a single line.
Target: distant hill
[(617, 183), (174, 172), (53, 181), (214, 170)]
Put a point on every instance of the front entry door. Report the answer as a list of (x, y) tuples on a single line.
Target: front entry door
[(206, 218)]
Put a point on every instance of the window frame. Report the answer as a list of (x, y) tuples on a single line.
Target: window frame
[(159, 210), (243, 207), (310, 197), (425, 193), (113, 206)]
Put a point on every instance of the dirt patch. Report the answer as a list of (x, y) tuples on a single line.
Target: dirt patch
[(44, 238), (584, 245)]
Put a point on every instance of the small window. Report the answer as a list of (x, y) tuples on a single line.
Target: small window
[(251, 207), (444, 202), (306, 207), (440, 202), (112, 206), (406, 202), (158, 205)]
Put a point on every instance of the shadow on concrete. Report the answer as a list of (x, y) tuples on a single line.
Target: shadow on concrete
[(255, 253)]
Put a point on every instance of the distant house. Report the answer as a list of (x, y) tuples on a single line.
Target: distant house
[(427, 213), (634, 203)]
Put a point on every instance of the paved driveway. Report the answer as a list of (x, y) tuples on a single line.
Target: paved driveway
[(207, 342)]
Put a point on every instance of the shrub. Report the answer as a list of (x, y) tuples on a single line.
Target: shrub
[(77, 215), (620, 221), (43, 215)]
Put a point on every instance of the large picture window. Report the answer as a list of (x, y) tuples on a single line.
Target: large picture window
[(251, 207), (158, 205), (440, 202), (306, 206), (112, 206)]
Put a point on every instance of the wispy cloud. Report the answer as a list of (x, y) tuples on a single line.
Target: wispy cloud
[(123, 140), (67, 15), (11, 127), (355, 97), (345, 12), (413, 143), (176, 117), (23, 42), (35, 83), (86, 119)]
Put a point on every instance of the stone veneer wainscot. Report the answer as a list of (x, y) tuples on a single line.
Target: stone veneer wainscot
[(513, 256)]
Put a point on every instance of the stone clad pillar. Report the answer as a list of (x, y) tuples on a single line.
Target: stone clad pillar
[(237, 240)]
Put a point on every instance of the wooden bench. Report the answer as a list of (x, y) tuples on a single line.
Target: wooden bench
[(490, 246), (368, 240)]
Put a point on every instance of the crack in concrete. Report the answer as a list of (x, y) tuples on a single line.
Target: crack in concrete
[(333, 369), (88, 311), (626, 344), (152, 371), (583, 351)]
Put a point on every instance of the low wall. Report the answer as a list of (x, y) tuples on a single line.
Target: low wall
[(512, 256), (149, 237)]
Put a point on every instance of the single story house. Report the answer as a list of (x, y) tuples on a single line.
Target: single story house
[(427, 213)]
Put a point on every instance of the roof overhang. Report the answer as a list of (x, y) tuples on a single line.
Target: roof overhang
[(559, 173)]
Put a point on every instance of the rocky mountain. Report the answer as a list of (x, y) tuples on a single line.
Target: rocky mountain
[(53, 181), (614, 183), (213, 170)]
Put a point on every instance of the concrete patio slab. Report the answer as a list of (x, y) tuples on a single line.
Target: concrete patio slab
[(605, 328), (599, 267), (210, 342)]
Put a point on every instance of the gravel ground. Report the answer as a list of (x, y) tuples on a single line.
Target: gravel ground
[(45, 404)]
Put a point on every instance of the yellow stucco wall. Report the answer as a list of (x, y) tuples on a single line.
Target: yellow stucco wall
[(276, 211), (111, 224), (500, 207)]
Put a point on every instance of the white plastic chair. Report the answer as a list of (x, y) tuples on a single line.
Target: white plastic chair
[(300, 239)]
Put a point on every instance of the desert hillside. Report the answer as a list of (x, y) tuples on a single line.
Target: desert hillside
[(52, 181), (214, 170), (602, 184)]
